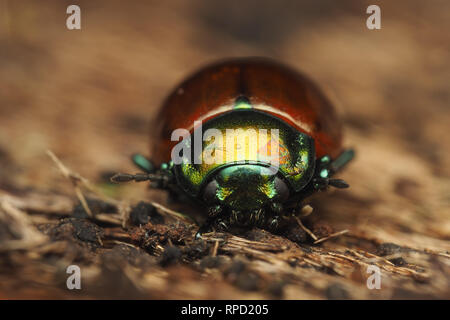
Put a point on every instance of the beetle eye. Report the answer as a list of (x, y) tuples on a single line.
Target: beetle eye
[(209, 193), (282, 189)]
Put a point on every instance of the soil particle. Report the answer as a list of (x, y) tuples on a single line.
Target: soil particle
[(276, 289), (74, 228), (399, 261), (235, 269), (293, 261), (171, 256), (336, 291), (151, 236), (322, 230), (134, 256), (97, 206), (387, 248), (196, 250), (296, 234), (144, 213), (248, 281), (211, 262), (87, 231)]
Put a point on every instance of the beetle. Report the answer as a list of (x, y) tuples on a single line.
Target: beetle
[(246, 93)]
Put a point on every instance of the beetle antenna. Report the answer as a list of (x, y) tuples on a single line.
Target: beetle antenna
[(139, 177)]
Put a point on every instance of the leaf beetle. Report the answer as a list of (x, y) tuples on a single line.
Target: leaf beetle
[(250, 94)]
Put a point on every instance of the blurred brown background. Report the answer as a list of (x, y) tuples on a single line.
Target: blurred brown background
[(90, 95)]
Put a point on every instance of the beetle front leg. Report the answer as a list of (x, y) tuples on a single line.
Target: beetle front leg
[(212, 220), (327, 168)]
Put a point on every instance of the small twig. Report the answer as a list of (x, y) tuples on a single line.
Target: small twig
[(83, 201), (333, 235), (212, 239), (306, 229), (172, 213), (79, 180), (442, 254), (108, 218), (56, 205), (238, 242), (115, 234), (124, 208), (74, 178), (99, 240), (216, 246), (124, 243), (20, 227)]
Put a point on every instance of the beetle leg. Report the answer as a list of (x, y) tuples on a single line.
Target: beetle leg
[(345, 157), (213, 213), (205, 227), (220, 224), (143, 163), (326, 168)]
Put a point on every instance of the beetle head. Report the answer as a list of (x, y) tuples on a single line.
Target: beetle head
[(246, 187)]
